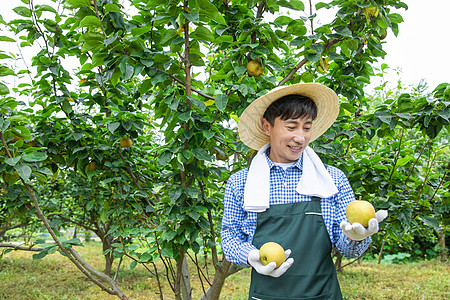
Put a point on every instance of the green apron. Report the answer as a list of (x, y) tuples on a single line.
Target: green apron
[(300, 227)]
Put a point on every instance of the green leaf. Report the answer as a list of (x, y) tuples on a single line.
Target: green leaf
[(12, 161), (78, 3), (67, 108), (322, 4), (211, 11), (137, 31), (324, 29), (168, 36), (283, 20), (430, 221), (127, 70), (23, 11), (4, 124), (201, 154), (395, 18), (75, 241), (34, 156), (209, 134), (40, 255), (45, 171), (197, 103), (24, 171), (159, 77), (6, 39), (133, 265), (292, 4), (184, 116), (203, 33), (3, 89), (111, 39), (90, 205), (307, 77), (207, 6), (192, 17), (344, 31), (164, 158), (24, 132), (89, 21), (4, 56), (45, 7), (145, 257), (382, 22), (167, 252), (224, 39), (113, 126), (221, 101), (352, 44), (318, 48), (403, 161), (313, 57), (194, 215), (111, 7)]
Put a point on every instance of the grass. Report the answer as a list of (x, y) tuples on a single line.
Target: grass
[(55, 277)]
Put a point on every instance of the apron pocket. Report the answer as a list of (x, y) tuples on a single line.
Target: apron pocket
[(257, 296)]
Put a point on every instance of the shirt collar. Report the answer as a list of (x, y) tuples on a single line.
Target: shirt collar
[(298, 163)]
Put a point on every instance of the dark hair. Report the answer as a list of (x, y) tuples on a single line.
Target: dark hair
[(291, 107)]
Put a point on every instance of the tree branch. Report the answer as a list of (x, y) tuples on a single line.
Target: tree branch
[(19, 247), (184, 84), (74, 222), (293, 71), (98, 17)]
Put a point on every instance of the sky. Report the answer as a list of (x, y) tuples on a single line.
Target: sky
[(422, 46), (419, 52)]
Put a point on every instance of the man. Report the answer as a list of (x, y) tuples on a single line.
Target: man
[(288, 196)]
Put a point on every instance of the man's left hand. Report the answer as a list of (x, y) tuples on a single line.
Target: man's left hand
[(357, 232)]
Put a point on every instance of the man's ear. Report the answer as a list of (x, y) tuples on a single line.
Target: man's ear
[(265, 125)]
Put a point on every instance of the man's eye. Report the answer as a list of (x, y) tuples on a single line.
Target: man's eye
[(291, 128)]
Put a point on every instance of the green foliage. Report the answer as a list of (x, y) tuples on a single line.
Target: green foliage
[(396, 258), (171, 75)]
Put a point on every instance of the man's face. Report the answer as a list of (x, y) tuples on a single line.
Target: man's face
[(288, 138)]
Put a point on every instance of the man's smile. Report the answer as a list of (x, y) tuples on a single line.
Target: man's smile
[(295, 148)]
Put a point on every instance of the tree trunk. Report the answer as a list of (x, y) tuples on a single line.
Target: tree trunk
[(179, 279), (75, 232), (338, 262), (106, 244), (441, 235), (381, 252), (185, 281), (214, 290), (3, 229)]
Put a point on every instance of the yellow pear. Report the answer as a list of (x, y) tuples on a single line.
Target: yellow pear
[(360, 211), (254, 68), (126, 142), (272, 252), (92, 166)]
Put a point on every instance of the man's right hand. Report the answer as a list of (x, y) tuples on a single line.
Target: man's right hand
[(269, 269)]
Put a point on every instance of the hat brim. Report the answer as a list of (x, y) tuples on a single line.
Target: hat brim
[(250, 127)]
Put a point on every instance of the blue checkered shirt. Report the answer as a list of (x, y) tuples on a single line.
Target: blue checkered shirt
[(238, 225)]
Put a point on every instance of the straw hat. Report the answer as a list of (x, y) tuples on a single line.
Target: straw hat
[(250, 128)]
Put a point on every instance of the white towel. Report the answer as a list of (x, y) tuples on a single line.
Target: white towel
[(257, 187), (315, 180)]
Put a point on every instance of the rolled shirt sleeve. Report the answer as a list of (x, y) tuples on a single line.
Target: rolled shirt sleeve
[(343, 244), (237, 229)]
